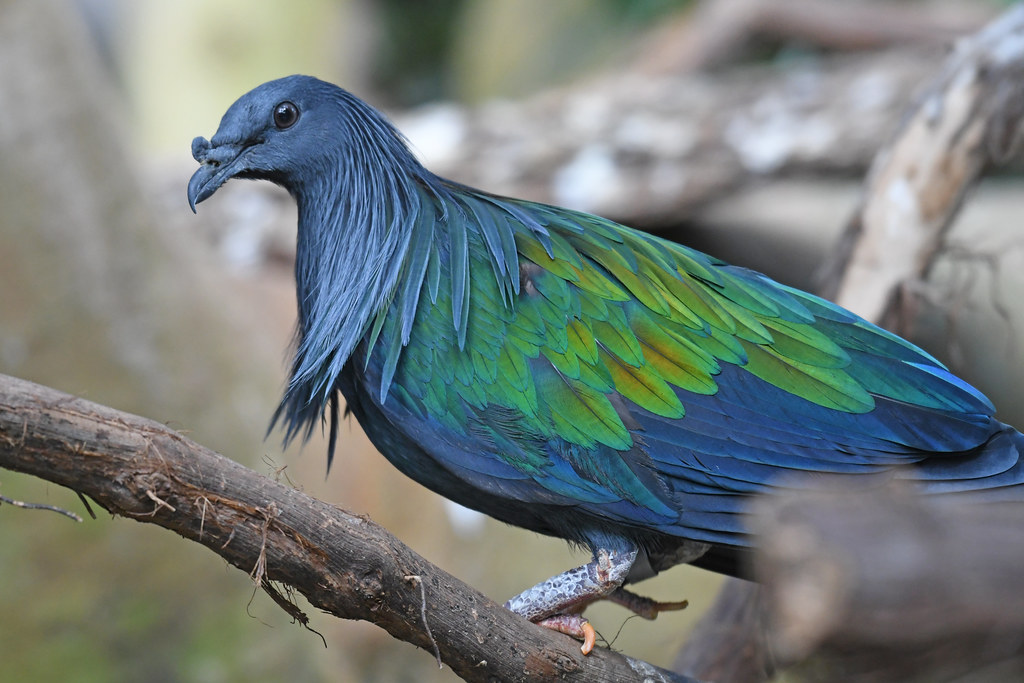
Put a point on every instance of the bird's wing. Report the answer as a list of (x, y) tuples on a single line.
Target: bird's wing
[(640, 378)]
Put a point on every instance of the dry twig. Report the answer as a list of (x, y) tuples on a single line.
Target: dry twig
[(40, 506)]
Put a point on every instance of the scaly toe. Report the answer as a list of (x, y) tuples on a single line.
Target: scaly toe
[(642, 606), (572, 625)]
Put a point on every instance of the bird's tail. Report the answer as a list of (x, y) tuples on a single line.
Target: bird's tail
[(993, 472)]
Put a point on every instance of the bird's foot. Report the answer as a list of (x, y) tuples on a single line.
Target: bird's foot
[(643, 606), (575, 625), (561, 599)]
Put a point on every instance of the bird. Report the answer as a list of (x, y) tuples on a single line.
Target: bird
[(567, 374)]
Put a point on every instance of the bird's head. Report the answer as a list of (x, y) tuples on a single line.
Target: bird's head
[(284, 131), (359, 191)]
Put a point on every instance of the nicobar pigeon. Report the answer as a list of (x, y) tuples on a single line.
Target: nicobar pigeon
[(566, 374)]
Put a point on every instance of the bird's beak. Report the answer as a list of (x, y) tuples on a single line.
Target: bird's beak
[(218, 163)]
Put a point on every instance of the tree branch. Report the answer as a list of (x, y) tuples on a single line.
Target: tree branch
[(968, 119), (342, 563), (715, 31)]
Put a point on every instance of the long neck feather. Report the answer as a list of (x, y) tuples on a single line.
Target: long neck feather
[(355, 223), (370, 220)]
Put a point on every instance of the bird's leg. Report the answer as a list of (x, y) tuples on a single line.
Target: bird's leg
[(643, 606), (569, 593)]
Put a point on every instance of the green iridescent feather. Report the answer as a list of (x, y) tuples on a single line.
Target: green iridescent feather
[(592, 320)]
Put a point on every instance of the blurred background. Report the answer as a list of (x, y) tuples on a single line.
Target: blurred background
[(741, 127)]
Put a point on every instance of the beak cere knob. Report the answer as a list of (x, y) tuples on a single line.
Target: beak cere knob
[(217, 163), (200, 147)]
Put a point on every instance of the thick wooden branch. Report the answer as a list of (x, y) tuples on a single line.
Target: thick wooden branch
[(342, 563), (887, 585)]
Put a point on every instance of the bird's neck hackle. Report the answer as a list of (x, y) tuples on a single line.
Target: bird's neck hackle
[(355, 222)]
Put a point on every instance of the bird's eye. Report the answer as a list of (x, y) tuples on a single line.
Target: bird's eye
[(285, 115)]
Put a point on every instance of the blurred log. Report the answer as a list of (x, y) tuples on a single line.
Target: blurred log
[(885, 585), (343, 564), (649, 150), (729, 645), (716, 31), (968, 119)]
